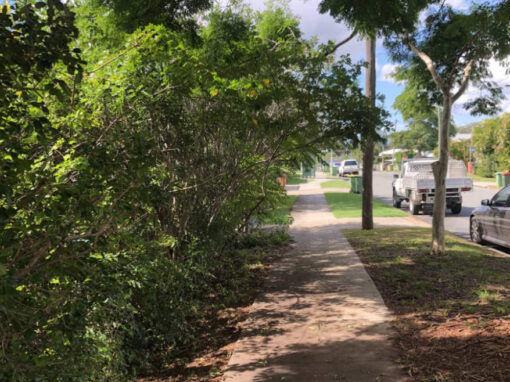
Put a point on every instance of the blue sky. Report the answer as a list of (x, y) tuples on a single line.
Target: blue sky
[(325, 28)]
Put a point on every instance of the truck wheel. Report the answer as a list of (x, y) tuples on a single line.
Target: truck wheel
[(396, 200), (456, 209), (413, 208)]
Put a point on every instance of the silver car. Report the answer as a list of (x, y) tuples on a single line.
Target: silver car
[(349, 166), (491, 221)]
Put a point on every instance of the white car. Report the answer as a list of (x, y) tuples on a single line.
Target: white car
[(416, 185), (348, 166)]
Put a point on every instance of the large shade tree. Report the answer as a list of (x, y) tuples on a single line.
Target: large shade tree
[(451, 50)]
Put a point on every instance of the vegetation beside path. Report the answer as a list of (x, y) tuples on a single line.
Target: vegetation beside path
[(280, 212), (293, 180), (216, 324), (344, 205), (451, 312), (337, 183)]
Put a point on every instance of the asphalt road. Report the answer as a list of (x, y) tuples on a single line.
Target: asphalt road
[(456, 224)]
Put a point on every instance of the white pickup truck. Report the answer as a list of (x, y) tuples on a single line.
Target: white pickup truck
[(416, 185)]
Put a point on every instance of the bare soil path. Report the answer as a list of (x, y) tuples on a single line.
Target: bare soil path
[(321, 317)]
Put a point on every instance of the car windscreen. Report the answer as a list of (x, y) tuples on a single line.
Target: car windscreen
[(351, 163)]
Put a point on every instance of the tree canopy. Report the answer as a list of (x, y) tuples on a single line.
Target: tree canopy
[(377, 17)]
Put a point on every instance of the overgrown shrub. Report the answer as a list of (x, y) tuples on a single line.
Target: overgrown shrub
[(127, 180)]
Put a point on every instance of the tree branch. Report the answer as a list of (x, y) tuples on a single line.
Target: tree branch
[(465, 80), (344, 41), (428, 62)]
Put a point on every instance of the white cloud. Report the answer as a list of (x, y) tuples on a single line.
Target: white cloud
[(386, 71), (500, 77), (325, 27), (457, 4)]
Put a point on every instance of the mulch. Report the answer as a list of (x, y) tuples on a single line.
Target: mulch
[(444, 334)]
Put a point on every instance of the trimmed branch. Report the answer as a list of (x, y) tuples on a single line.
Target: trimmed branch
[(465, 80), (344, 41), (428, 62)]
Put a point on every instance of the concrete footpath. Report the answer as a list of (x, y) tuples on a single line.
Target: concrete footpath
[(320, 317)]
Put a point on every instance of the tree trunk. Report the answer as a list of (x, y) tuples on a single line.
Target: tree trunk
[(440, 169), (367, 219)]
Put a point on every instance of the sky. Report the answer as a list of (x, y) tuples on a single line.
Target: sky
[(325, 28)]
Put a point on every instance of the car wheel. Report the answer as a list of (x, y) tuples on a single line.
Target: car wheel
[(475, 231), (396, 200), (413, 207), (456, 209)]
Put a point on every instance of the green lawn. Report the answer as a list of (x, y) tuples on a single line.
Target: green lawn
[(345, 205), (478, 178), (338, 183), (281, 213), (450, 312), (296, 179)]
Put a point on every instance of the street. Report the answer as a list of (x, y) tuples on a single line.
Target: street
[(456, 224)]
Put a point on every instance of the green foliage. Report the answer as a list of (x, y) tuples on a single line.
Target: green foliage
[(127, 180), (451, 39), (491, 140), (419, 112), (460, 150), (279, 212), (375, 17), (129, 15)]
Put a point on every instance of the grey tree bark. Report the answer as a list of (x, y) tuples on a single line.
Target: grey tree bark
[(367, 219), (440, 169)]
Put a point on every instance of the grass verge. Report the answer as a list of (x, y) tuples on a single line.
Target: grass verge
[(293, 180), (281, 213), (478, 178), (345, 205), (338, 183), (451, 313), (217, 327)]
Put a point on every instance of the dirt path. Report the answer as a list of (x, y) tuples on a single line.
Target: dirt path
[(321, 317)]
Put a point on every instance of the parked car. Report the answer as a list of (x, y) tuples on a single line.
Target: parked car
[(349, 166), (491, 221)]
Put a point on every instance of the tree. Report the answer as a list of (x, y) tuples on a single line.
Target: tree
[(132, 197), (132, 14), (450, 50), (491, 140), (421, 115), (370, 19)]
